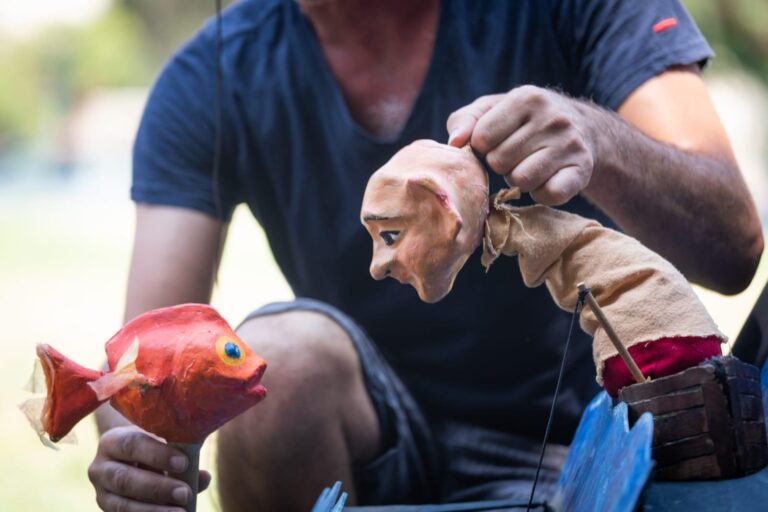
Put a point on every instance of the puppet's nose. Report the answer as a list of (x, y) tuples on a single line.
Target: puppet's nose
[(380, 268)]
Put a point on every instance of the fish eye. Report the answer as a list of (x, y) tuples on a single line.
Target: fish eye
[(389, 237), (230, 351)]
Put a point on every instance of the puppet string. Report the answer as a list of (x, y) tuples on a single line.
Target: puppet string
[(215, 171), (579, 302)]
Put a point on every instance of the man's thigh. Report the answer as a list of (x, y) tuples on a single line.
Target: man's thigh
[(485, 464), (289, 335)]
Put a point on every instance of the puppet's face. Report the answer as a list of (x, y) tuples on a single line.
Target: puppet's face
[(425, 211)]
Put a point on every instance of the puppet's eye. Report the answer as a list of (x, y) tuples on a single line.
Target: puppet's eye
[(230, 351), (389, 237)]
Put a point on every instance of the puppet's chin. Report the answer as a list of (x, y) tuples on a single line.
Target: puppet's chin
[(431, 297), (433, 290)]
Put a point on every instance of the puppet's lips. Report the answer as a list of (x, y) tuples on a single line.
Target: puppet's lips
[(253, 386), (402, 279), (257, 390)]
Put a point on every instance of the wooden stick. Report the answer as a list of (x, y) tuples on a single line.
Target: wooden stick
[(623, 352), (191, 474)]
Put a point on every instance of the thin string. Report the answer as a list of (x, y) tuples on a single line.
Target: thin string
[(217, 145), (217, 109), (579, 302)]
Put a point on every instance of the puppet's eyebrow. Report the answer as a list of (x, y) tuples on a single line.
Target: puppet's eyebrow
[(371, 216)]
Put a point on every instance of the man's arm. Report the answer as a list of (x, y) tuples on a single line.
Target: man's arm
[(674, 183), (175, 258), (667, 175)]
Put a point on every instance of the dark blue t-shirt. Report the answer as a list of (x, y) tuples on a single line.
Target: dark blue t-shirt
[(489, 352)]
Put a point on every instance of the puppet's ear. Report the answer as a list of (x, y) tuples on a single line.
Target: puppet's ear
[(425, 188)]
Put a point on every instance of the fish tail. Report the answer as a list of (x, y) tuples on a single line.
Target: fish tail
[(69, 398)]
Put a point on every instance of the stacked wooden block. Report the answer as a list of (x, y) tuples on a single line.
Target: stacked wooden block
[(708, 420)]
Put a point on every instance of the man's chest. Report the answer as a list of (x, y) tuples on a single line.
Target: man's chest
[(380, 85)]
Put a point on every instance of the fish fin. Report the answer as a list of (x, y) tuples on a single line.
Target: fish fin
[(68, 400), (124, 374), (129, 356), (33, 409), (36, 382)]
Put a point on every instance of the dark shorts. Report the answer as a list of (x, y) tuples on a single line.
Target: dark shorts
[(439, 461)]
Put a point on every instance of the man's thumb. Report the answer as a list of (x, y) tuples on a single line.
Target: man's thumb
[(462, 122)]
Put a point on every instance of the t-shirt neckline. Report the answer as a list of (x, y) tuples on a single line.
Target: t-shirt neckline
[(329, 82)]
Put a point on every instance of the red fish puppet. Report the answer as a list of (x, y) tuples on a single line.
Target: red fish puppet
[(179, 372)]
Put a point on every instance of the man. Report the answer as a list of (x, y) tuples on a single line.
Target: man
[(318, 95)]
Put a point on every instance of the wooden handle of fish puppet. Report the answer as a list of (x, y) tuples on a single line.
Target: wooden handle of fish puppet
[(618, 345), (192, 473)]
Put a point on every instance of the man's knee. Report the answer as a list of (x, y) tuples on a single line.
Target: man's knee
[(314, 380), (302, 348), (318, 414)]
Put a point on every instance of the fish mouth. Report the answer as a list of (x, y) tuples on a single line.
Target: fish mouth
[(253, 385)]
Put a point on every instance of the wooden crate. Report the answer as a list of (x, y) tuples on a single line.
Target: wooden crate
[(708, 420)]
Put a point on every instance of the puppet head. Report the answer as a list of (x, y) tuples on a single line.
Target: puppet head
[(425, 210)]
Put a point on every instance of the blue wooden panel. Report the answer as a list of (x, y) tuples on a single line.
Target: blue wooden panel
[(608, 465), (737, 495), (764, 385), (329, 500), (607, 469)]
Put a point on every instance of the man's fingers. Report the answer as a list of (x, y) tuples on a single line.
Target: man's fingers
[(132, 445), (514, 149), (498, 123), (145, 486), (533, 171), (203, 480), (462, 122), (561, 187), (113, 503)]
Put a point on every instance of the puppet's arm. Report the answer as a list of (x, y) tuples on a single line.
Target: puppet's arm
[(644, 296)]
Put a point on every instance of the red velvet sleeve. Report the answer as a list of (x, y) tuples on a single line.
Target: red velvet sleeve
[(658, 359)]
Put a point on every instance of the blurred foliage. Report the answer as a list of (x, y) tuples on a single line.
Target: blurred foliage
[(170, 22), (737, 31), (43, 78), (20, 90)]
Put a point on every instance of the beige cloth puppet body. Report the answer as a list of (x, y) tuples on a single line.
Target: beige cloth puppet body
[(642, 294), (421, 209)]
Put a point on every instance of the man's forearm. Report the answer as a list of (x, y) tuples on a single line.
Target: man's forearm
[(693, 209), (175, 259), (108, 418)]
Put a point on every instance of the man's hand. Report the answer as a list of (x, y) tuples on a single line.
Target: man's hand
[(539, 140), (661, 167), (129, 473)]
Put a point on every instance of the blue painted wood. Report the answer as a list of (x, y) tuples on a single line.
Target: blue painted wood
[(476, 506), (764, 386), (329, 500), (327, 503), (608, 465), (607, 469), (749, 493)]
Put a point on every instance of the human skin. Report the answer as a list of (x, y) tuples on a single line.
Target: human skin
[(674, 168), (364, 43)]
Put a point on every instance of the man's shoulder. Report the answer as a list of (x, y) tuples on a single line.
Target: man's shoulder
[(245, 20)]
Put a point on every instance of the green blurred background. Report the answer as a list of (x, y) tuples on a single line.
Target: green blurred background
[(73, 79)]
